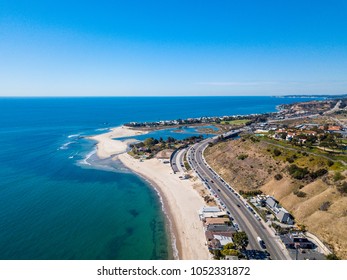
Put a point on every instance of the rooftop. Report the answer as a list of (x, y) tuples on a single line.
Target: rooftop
[(217, 221)]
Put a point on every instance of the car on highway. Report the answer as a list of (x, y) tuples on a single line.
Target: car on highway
[(238, 205), (261, 242)]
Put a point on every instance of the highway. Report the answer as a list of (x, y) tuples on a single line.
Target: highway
[(238, 207), (177, 161)]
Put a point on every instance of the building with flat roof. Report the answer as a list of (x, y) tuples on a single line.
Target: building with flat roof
[(211, 212), (220, 228), (207, 209), (217, 221), (297, 240)]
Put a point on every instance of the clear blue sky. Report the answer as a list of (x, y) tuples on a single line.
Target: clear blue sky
[(167, 47)]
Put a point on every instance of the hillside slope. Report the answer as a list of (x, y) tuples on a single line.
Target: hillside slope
[(249, 165)]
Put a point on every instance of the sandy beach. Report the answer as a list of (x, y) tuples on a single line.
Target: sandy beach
[(107, 146), (181, 201)]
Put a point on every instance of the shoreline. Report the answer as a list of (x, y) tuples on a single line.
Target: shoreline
[(180, 202), (176, 246)]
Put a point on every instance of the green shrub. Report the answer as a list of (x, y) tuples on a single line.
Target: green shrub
[(325, 206), (277, 152), (331, 257), (278, 177), (290, 159), (242, 156), (300, 194), (318, 173), (338, 176), (343, 188), (297, 172)]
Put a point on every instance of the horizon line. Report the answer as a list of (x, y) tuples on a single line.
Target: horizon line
[(113, 96)]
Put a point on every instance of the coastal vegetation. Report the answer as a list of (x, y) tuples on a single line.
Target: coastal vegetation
[(151, 146), (240, 240)]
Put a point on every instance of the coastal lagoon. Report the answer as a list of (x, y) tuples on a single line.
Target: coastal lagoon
[(58, 201)]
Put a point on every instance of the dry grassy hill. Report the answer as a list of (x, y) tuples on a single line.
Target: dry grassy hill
[(315, 203)]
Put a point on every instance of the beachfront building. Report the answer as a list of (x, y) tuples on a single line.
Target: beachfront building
[(211, 212), (221, 228), (217, 221), (216, 240)]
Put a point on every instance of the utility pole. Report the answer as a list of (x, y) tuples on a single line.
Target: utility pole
[(297, 246)]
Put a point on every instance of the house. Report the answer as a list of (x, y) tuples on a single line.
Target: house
[(223, 238), (297, 240), (214, 244), (211, 212), (261, 200), (285, 217), (290, 136), (271, 202), (216, 241), (334, 128), (220, 228), (310, 132)]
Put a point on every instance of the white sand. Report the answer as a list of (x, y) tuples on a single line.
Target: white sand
[(181, 201), (107, 147)]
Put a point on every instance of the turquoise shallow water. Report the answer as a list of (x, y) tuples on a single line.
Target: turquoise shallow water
[(54, 205)]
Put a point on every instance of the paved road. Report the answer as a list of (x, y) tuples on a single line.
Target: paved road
[(333, 110), (180, 160), (177, 164), (235, 204)]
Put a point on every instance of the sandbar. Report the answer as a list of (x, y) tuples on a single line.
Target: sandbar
[(107, 146)]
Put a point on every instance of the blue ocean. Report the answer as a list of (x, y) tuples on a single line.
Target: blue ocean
[(57, 203)]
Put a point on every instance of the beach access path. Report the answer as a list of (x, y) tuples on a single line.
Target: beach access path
[(181, 202)]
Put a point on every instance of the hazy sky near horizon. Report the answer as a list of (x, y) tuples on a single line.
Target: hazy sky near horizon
[(224, 47)]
